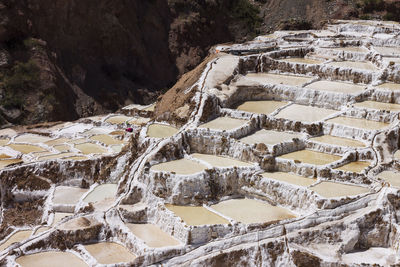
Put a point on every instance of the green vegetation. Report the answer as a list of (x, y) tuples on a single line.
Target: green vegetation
[(248, 13)]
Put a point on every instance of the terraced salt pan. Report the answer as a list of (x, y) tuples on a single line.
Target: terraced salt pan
[(78, 141), (378, 105), (358, 49), (224, 123), (6, 162), (331, 190), (139, 121), (57, 156), (393, 178), (90, 148), (110, 253), (388, 51), (58, 216), (301, 60), (26, 149), (390, 86), (373, 256), (311, 157), (4, 142), (51, 258), (78, 223), (62, 148), (68, 194), (102, 192), (388, 60), (57, 141), (289, 178), (338, 87), (359, 123), (106, 139), (261, 107), (269, 137), (354, 65), (180, 166), (152, 235), (97, 130), (76, 158), (157, 130), (119, 119), (304, 113), (251, 211), (264, 78), (356, 166), (15, 238), (219, 161), (31, 138), (196, 215), (335, 140)]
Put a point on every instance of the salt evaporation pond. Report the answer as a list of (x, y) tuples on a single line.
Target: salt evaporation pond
[(90, 148), (224, 123), (389, 86), (7, 162), (378, 106), (196, 215), (62, 148), (106, 139), (76, 158), (57, 156), (297, 112), (301, 60), (331, 190), (359, 123), (51, 258), (152, 235), (392, 177), (31, 138), (119, 119), (269, 137), (68, 194), (180, 166), (358, 49), (26, 149), (354, 65), (59, 216), (251, 211), (261, 107), (57, 141), (110, 253), (335, 140), (387, 50), (264, 78), (311, 157), (371, 257), (78, 223), (289, 178), (157, 130), (219, 161), (102, 192), (4, 141), (15, 238), (356, 166), (338, 87)]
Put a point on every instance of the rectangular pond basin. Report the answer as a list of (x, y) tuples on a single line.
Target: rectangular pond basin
[(374, 256), (106, 139), (91, 148), (78, 223), (252, 211), (16, 238), (57, 156), (289, 178), (119, 119), (196, 215), (68, 194), (110, 253), (157, 130), (301, 60), (311, 157), (378, 106), (359, 123), (361, 65), (332, 189), (297, 112), (51, 258), (31, 138), (338, 87), (26, 149), (392, 177), (102, 192), (221, 161), (62, 148), (76, 158), (356, 166), (269, 78), (339, 141), (224, 123), (358, 49), (389, 86), (261, 107), (4, 141), (387, 50), (7, 162), (180, 166), (269, 137), (152, 235)]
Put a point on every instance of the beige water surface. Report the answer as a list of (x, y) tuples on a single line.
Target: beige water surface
[(251, 211), (390, 86), (102, 192), (110, 253), (68, 194), (106, 139), (152, 235), (180, 166), (51, 259), (340, 141), (277, 79), (196, 215), (355, 65), (297, 112), (289, 178), (378, 105), (90, 148), (331, 189), (25, 149), (387, 50), (301, 60), (4, 141), (119, 119), (359, 123), (224, 123), (339, 87), (269, 137), (157, 130), (15, 238), (356, 166), (220, 161), (31, 138), (6, 162), (392, 177), (311, 157), (261, 107)]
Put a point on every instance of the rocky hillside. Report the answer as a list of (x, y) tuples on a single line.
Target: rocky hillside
[(61, 60)]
